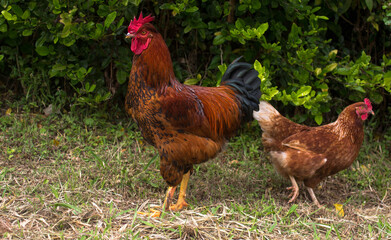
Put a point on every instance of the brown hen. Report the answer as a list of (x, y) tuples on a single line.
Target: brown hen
[(310, 154)]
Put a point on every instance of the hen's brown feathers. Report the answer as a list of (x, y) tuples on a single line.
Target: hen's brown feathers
[(311, 153)]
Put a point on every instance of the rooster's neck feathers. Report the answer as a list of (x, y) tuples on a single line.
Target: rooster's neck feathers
[(155, 64)]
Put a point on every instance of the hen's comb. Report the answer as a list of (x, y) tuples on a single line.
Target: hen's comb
[(368, 103), (135, 24)]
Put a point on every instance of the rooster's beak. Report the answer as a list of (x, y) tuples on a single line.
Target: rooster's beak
[(129, 35), (371, 112)]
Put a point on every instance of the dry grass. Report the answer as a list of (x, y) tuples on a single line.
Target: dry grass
[(71, 181)]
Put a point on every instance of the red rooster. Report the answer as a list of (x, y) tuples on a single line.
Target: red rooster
[(186, 124), (310, 154)]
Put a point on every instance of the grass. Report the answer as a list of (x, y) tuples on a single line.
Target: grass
[(84, 177)]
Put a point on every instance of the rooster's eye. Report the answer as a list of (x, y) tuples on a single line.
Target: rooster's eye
[(143, 32)]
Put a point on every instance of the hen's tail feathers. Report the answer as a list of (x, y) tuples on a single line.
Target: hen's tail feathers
[(265, 114), (245, 81)]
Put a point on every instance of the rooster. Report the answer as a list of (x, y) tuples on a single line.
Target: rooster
[(310, 154), (186, 124)]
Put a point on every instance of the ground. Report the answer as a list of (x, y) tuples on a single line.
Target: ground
[(85, 177)]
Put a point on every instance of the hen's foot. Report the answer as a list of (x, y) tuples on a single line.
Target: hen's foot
[(294, 189), (293, 194), (314, 199)]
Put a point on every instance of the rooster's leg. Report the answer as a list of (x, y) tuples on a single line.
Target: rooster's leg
[(166, 204), (168, 199), (312, 194), (181, 203), (294, 188)]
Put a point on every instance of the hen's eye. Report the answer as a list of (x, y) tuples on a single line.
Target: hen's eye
[(143, 32)]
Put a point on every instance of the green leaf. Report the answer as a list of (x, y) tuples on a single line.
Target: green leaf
[(42, 50), (272, 93), (103, 10), (319, 119), (191, 81), (369, 4), (59, 67), (56, 4), (342, 71), (1, 57), (187, 29), (293, 36), (323, 17), (27, 32), (202, 33), (109, 19), (256, 4), (257, 65), (376, 97), (17, 10), (387, 81), (242, 7), (218, 40), (3, 28), (222, 68), (239, 23), (304, 91), (68, 41), (120, 22), (330, 67), (91, 88), (192, 9), (359, 89), (375, 25), (167, 6), (32, 5), (121, 76), (262, 29), (66, 30), (26, 14), (98, 31), (9, 16), (333, 53), (136, 2), (318, 71)]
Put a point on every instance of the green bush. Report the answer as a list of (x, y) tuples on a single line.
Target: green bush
[(74, 52), (65, 51)]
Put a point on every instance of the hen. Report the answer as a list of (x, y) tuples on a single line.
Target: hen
[(186, 124), (310, 154)]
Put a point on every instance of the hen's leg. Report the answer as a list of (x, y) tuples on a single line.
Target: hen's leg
[(166, 204), (312, 194), (181, 203), (294, 188)]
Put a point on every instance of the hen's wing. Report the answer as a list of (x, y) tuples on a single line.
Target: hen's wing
[(305, 152), (318, 140)]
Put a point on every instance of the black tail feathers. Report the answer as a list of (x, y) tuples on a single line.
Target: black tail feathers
[(245, 81)]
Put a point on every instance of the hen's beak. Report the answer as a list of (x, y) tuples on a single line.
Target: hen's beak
[(129, 35), (371, 112)]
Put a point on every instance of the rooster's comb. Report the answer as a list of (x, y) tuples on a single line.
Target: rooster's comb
[(135, 24), (368, 103)]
